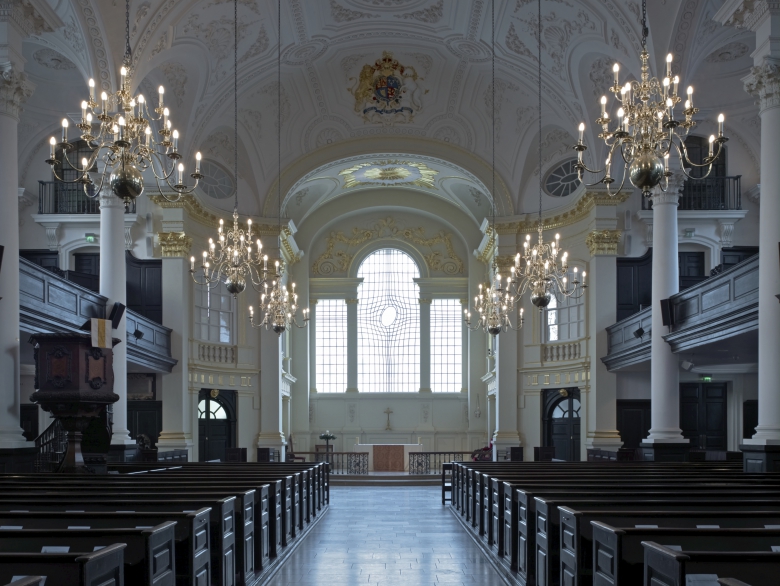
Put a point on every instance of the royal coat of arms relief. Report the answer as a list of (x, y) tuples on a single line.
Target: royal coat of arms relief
[(387, 92)]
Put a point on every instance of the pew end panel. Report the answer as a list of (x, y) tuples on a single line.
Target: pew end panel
[(100, 568)]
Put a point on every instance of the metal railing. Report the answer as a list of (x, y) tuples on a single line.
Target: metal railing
[(340, 462), (712, 193), (55, 197), (50, 447), (432, 462)]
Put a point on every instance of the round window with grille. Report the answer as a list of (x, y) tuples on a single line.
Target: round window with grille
[(562, 180), (216, 182)]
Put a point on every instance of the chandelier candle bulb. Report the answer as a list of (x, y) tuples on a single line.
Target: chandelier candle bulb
[(52, 145), (721, 120), (175, 141), (84, 111), (666, 86), (165, 117), (690, 96), (669, 65), (192, 264), (603, 106), (582, 130), (64, 131), (181, 172), (712, 140), (91, 84), (121, 123), (161, 93), (197, 168), (148, 133), (675, 81), (616, 71), (666, 163)]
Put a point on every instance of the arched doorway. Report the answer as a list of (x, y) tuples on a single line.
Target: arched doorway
[(561, 423), (216, 423)]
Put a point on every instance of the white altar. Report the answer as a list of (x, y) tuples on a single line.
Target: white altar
[(388, 455)]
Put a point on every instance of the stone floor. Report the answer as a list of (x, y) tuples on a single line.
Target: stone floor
[(387, 536)]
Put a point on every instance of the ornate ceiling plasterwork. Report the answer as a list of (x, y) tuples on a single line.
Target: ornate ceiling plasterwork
[(389, 174), (52, 59), (339, 248)]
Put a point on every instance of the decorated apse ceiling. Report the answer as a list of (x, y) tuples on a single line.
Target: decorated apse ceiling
[(379, 93)]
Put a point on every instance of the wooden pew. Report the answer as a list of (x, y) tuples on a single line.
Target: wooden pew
[(252, 512), (576, 531), (28, 581), (193, 551), (618, 554), (731, 582), (149, 558), (222, 523), (526, 563), (99, 568), (668, 567)]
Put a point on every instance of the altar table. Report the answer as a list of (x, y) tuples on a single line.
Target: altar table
[(388, 457)]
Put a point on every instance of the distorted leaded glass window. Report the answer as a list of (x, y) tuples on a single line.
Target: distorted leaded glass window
[(562, 180)]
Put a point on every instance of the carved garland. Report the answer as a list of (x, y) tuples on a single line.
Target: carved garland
[(334, 261)]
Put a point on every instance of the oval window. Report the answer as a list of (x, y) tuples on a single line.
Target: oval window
[(388, 316)]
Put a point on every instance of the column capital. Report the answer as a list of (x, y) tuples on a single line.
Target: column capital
[(763, 82), (603, 242), (425, 301), (15, 89), (174, 244), (107, 199), (351, 301)]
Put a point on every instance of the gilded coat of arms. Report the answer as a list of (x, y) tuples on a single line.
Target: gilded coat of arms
[(387, 92)]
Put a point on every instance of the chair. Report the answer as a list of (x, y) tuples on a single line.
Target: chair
[(290, 454)]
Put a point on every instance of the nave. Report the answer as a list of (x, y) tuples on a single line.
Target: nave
[(386, 536)]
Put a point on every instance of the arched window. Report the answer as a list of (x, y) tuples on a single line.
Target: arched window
[(215, 410), (388, 323)]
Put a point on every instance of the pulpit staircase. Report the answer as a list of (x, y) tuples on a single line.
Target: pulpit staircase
[(50, 447)]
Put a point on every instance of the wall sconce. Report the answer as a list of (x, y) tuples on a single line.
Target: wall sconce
[(639, 332)]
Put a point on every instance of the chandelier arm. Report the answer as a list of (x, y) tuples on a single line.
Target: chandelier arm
[(620, 189), (684, 161)]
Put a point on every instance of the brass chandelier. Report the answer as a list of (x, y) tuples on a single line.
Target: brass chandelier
[(231, 258), (538, 267), (279, 305), (118, 131), (494, 304), (646, 131)]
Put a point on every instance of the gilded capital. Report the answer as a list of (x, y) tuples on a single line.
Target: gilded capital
[(174, 244), (603, 242), (504, 264), (351, 301)]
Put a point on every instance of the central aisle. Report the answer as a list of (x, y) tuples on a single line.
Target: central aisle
[(386, 536)]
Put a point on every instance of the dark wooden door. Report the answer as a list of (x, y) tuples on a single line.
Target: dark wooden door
[(145, 417), (216, 424), (703, 415), (562, 424), (691, 268), (749, 418), (144, 286), (633, 421)]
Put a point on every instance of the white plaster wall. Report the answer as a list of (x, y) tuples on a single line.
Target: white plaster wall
[(633, 385)]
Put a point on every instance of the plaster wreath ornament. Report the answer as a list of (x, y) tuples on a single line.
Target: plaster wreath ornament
[(387, 92)]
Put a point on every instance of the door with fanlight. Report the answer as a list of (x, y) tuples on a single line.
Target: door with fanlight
[(216, 424), (561, 423)]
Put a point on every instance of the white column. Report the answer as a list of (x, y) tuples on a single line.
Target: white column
[(601, 301), (113, 285), (14, 91), (505, 431), (177, 289), (664, 368), (352, 345), (312, 347), (271, 433), (763, 83), (425, 345)]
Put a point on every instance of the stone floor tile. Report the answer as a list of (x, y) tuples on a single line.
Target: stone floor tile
[(377, 536)]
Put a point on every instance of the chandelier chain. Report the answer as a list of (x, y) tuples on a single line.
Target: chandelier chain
[(645, 30), (493, 109), (127, 33), (539, 63), (235, 102), (279, 117)]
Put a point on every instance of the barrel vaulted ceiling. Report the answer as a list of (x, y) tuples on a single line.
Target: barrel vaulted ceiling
[(439, 140)]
